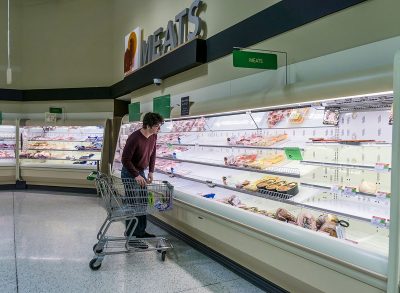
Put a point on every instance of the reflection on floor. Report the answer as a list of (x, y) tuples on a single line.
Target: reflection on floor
[(52, 245)]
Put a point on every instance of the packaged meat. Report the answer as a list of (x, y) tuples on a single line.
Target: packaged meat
[(306, 220), (331, 117), (284, 215), (298, 115), (274, 117)]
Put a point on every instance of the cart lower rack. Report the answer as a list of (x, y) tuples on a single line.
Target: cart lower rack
[(125, 200)]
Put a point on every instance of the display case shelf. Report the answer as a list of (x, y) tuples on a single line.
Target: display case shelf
[(281, 171), (275, 196), (339, 165), (60, 140), (63, 150), (327, 188), (227, 146)]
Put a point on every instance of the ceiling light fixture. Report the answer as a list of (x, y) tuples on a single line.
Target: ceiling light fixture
[(8, 72)]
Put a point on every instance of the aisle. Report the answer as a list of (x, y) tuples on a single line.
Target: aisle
[(54, 235)]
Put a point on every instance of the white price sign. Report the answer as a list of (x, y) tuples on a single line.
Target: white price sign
[(382, 195), (349, 191), (382, 167), (336, 189), (380, 222)]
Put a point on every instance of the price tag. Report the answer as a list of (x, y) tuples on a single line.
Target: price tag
[(341, 232), (336, 189), (383, 195), (380, 222), (293, 154), (349, 191), (382, 167)]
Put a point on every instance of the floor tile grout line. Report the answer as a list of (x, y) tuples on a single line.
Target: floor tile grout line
[(15, 244), (211, 284)]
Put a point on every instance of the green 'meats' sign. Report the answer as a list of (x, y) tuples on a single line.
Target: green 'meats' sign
[(255, 60), (55, 110)]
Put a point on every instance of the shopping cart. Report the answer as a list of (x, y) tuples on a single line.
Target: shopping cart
[(125, 200)]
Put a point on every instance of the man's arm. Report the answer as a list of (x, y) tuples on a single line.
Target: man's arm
[(152, 159)]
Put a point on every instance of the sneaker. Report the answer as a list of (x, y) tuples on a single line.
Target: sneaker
[(138, 244), (146, 235)]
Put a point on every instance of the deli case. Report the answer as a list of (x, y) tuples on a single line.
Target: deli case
[(299, 194), (63, 154), (8, 142)]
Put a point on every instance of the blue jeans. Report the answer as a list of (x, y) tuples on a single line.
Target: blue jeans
[(142, 220)]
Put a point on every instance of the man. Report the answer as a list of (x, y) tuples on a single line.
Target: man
[(138, 154)]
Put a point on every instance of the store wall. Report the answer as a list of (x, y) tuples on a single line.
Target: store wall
[(74, 110), (152, 14), (80, 43), (15, 48), (337, 32), (66, 43)]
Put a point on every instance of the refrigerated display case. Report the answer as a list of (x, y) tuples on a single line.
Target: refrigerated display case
[(63, 155), (125, 130), (8, 143), (314, 177)]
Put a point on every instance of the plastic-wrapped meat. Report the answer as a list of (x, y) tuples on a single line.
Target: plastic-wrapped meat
[(232, 200), (42, 155), (284, 215), (307, 220), (165, 165), (330, 228), (6, 155), (199, 124), (274, 117), (171, 138)]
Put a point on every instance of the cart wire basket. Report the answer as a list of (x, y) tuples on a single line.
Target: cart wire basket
[(125, 200)]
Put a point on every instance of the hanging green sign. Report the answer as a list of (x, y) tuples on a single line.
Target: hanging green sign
[(134, 112), (293, 154), (55, 110), (162, 105), (248, 59)]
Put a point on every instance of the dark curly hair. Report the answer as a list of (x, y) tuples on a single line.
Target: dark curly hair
[(151, 119)]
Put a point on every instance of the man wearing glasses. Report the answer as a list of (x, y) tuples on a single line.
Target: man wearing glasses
[(138, 154)]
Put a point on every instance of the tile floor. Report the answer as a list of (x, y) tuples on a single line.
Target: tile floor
[(52, 245)]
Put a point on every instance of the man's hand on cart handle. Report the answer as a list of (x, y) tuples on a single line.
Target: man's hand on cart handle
[(150, 177), (139, 179)]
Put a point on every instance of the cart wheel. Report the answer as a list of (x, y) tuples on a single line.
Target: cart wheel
[(97, 250), (163, 255), (93, 266)]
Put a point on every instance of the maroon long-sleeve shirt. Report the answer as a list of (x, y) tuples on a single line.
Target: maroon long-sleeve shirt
[(139, 153)]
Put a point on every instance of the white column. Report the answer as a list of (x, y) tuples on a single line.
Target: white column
[(394, 247)]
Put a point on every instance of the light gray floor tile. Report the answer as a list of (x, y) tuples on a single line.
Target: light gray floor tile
[(54, 239), (8, 279)]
